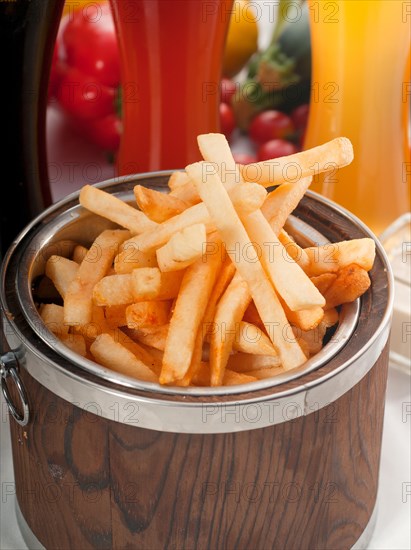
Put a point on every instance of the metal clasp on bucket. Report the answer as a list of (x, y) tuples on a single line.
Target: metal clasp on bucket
[(9, 369)]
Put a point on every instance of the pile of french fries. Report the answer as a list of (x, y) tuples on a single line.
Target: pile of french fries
[(202, 286)]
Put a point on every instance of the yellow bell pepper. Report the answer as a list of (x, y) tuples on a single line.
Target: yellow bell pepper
[(242, 38)]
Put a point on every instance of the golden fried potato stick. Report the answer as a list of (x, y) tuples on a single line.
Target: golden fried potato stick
[(115, 356), (157, 205), (229, 312), (104, 204), (62, 272), (251, 339), (328, 157)]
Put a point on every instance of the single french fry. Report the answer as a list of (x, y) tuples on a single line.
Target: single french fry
[(113, 290), (248, 197), (334, 256), (244, 362), (202, 375), (78, 300), (183, 249), (215, 149), (151, 314), (262, 374), (195, 290), (282, 201), (75, 342), (331, 317), (313, 339), (177, 179), (119, 335), (53, 317), (155, 337), (305, 319), (251, 339), (232, 378), (224, 279), (115, 356), (79, 253), (351, 283), (330, 156), (236, 239), (149, 283), (324, 281), (229, 312), (156, 205), (115, 316), (131, 258), (187, 193), (62, 272), (289, 280), (96, 326), (110, 207), (293, 249)]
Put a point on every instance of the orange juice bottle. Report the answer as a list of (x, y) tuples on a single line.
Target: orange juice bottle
[(359, 53)]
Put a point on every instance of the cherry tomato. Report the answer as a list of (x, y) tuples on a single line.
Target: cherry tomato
[(90, 43), (244, 158), (299, 116), (84, 97), (227, 120), (269, 125), (228, 89), (276, 148), (104, 132)]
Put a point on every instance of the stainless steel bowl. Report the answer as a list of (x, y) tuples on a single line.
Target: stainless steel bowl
[(79, 380)]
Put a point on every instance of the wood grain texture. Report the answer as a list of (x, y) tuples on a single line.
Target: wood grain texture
[(311, 483)]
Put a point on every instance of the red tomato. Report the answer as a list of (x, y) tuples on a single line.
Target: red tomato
[(227, 120), (104, 132), (84, 97), (55, 71), (270, 125), (228, 89), (244, 158), (276, 148), (300, 116), (90, 43)]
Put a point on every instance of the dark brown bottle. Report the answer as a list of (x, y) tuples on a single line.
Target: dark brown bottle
[(28, 29)]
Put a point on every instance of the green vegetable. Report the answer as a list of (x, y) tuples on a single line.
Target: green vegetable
[(279, 77)]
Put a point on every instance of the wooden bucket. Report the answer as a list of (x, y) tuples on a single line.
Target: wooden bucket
[(103, 461)]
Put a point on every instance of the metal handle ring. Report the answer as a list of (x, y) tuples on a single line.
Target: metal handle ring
[(9, 368)]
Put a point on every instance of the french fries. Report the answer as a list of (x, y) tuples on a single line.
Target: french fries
[(78, 299), (235, 237), (204, 286)]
